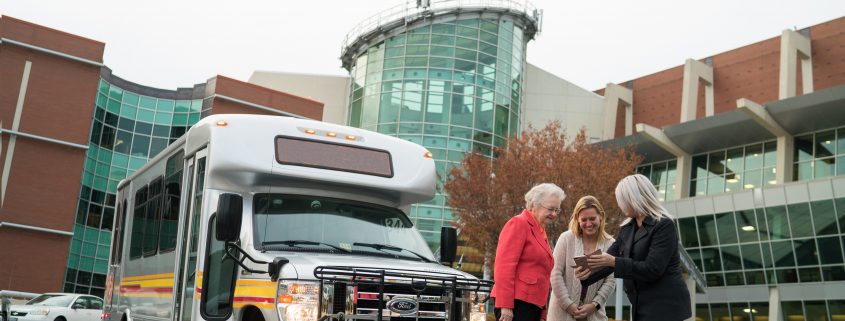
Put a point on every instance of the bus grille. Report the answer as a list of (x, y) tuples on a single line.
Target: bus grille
[(438, 296)]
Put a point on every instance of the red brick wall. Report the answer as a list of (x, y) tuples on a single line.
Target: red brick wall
[(262, 96), (751, 72), (35, 261), (52, 39), (43, 182)]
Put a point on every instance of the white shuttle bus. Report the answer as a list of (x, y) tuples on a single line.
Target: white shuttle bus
[(262, 218)]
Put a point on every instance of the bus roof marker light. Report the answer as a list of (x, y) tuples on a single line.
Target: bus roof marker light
[(351, 137), (310, 131), (428, 155), (222, 123), (331, 134)]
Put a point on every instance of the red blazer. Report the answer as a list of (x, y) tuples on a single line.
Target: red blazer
[(524, 263)]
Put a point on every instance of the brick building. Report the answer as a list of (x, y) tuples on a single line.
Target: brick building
[(70, 130)]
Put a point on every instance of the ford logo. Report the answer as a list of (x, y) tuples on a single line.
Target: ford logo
[(402, 305)]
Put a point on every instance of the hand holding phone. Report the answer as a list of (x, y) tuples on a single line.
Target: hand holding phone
[(582, 260)]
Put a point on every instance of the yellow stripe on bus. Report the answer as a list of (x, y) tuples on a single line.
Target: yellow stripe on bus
[(149, 295), (256, 304), (257, 282), (155, 283), (148, 276), (260, 292)]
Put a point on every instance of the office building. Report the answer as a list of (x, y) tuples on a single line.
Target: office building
[(70, 131)]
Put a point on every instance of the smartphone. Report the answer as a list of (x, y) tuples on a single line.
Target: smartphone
[(582, 260)]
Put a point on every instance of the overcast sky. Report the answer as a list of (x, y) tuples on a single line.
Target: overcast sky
[(178, 43)]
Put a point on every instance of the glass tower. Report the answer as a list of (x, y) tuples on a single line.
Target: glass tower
[(131, 125), (452, 83)]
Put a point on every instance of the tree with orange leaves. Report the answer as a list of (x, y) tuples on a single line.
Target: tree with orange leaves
[(486, 193)]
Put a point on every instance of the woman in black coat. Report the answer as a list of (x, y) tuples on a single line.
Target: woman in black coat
[(645, 255)]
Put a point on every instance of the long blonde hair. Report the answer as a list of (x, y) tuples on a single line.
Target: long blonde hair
[(637, 193), (583, 204)]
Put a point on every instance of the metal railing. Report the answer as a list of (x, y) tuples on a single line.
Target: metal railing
[(409, 10), (692, 270)]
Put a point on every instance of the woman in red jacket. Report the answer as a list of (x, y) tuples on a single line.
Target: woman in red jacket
[(524, 259)]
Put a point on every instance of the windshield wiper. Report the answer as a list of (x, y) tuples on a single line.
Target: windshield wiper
[(382, 247), (294, 243)]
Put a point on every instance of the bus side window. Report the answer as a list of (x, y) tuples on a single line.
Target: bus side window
[(139, 218), (121, 233), (170, 212), (150, 246)]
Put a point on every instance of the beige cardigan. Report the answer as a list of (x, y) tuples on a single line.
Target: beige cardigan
[(566, 288)]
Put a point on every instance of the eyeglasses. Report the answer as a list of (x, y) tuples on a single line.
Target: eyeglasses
[(553, 209)]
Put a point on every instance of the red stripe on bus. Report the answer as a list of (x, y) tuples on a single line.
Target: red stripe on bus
[(253, 299), (139, 289)]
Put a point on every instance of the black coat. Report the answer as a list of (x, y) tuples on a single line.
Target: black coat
[(653, 277)]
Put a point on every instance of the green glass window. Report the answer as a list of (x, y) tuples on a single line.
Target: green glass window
[(707, 230), (799, 218), (442, 28), (830, 250), (731, 258), (777, 222), (689, 232), (782, 253), (726, 228), (711, 259), (805, 252), (824, 217), (147, 102), (751, 257), (715, 279)]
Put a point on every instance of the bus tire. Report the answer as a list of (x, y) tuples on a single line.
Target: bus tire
[(252, 313), (60, 319)]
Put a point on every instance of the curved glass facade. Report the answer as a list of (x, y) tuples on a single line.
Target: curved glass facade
[(127, 130), (453, 87)]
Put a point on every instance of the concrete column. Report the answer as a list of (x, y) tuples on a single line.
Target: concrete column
[(794, 46), (691, 288), (785, 158), (774, 304), (657, 136), (620, 306), (682, 176), (613, 95), (785, 140), (695, 71)]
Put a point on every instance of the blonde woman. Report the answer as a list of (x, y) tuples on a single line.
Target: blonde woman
[(645, 255), (585, 235)]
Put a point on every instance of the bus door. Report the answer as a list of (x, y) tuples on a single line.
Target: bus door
[(185, 292)]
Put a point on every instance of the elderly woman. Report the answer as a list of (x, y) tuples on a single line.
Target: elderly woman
[(645, 254), (586, 234), (524, 259)]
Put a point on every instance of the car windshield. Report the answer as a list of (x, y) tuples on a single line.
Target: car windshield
[(309, 223), (51, 300)]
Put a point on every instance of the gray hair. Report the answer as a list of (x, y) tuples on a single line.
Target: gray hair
[(636, 193), (539, 192)]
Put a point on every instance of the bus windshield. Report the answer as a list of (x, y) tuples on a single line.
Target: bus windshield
[(303, 223)]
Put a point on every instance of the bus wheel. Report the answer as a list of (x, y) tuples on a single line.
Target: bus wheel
[(60, 319), (252, 313)]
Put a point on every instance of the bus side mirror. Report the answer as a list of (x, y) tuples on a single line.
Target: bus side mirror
[(229, 213), (448, 244)]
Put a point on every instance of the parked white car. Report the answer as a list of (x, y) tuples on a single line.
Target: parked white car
[(58, 307)]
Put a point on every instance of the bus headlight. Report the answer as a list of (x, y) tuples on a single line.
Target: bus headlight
[(478, 311), (297, 300)]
